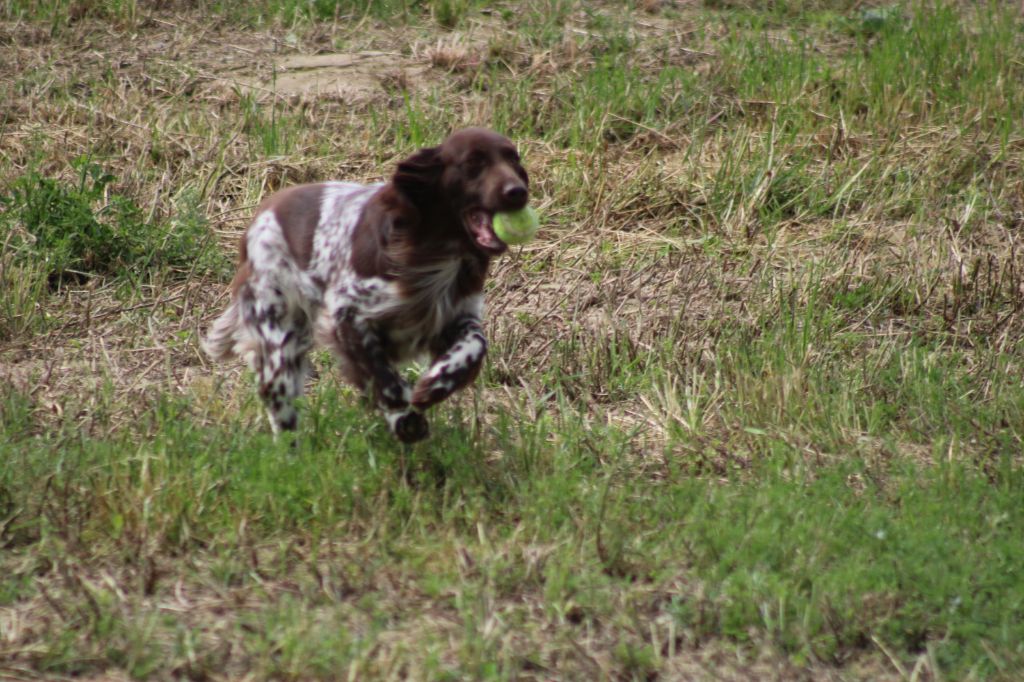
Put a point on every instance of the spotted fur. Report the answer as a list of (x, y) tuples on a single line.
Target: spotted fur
[(380, 274)]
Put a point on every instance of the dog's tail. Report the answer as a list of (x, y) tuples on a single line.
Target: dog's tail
[(228, 337)]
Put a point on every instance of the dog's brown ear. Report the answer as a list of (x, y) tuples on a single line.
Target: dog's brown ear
[(420, 175)]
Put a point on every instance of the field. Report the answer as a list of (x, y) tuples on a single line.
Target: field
[(754, 403)]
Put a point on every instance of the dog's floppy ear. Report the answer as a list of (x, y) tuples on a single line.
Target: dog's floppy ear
[(420, 175)]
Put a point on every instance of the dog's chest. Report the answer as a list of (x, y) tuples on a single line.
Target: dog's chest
[(411, 312), (424, 301)]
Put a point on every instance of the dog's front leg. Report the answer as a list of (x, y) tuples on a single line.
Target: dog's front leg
[(456, 364), (368, 367)]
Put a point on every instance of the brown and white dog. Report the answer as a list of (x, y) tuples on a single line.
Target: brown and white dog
[(380, 274)]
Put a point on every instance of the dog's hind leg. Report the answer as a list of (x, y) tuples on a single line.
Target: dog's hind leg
[(283, 334)]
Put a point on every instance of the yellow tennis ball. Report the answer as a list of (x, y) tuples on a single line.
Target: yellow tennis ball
[(516, 227)]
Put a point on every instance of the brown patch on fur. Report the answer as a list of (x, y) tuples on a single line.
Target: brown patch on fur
[(385, 220), (472, 276), (297, 210)]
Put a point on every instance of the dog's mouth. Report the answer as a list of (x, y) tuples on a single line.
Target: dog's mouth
[(481, 228)]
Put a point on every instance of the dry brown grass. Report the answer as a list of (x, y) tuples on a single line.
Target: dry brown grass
[(161, 101)]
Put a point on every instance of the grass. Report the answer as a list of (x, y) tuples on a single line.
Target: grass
[(822, 561), (84, 229), (753, 407)]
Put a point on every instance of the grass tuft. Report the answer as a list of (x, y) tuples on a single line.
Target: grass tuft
[(84, 229)]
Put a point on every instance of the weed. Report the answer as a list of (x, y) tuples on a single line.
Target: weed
[(76, 231)]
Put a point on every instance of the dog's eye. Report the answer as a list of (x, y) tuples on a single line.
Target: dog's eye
[(475, 164), (511, 155)]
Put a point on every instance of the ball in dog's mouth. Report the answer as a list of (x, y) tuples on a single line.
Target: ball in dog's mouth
[(516, 227)]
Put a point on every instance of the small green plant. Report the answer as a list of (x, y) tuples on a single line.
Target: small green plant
[(449, 13), (75, 231), (271, 134), (62, 225)]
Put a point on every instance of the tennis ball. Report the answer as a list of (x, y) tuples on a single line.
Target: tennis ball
[(516, 227)]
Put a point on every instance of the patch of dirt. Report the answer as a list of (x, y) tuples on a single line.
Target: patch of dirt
[(348, 77)]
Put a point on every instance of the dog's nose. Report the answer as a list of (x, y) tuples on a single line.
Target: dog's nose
[(514, 193)]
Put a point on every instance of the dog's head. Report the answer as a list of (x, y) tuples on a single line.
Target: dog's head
[(463, 182)]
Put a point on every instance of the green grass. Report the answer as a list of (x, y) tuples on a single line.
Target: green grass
[(82, 228), (753, 405), (447, 14), (823, 561)]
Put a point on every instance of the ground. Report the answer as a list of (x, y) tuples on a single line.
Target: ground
[(754, 402)]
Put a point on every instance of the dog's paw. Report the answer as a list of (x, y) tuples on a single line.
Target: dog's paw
[(410, 427), (428, 392)]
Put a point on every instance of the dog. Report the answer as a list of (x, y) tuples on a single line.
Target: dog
[(380, 274)]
